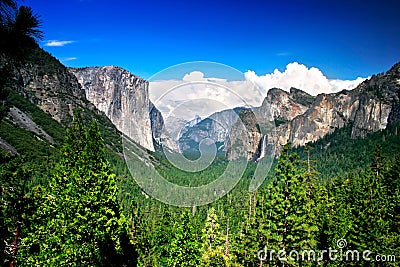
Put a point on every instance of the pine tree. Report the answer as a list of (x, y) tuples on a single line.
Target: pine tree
[(6, 8), (289, 222), (337, 219), (26, 24), (78, 221), (392, 184), (372, 208), (247, 241), (213, 243), (184, 248)]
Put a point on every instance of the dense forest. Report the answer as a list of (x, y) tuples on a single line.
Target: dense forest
[(73, 202)]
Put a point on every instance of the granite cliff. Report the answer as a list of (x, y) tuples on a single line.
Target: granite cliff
[(124, 98), (279, 106), (44, 81), (39, 98), (300, 118)]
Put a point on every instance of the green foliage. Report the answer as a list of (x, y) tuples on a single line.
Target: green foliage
[(184, 246), (110, 135), (45, 121), (279, 121), (362, 208), (35, 150), (294, 211), (338, 154), (3, 111), (210, 233), (4, 76), (214, 245), (25, 141), (288, 212), (78, 220), (74, 218), (14, 204)]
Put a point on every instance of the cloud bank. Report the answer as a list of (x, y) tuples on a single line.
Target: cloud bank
[(195, 94), (56, 43), (198, 95), (310, 80)]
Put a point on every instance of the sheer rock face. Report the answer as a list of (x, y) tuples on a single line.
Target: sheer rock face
[(278, 108), (160, 136), (284, 106), (329, 112), (301, 118), (123, 97), (44, 81), (245, 137), (157, 122), (279, 105), (370, 107), (55, 93)]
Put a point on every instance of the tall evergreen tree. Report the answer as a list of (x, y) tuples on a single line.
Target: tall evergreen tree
[(248, 241), (289, 223), (373, 209), (392, 183), (184, 248), (213, 243), (20, 29), (78, 221)]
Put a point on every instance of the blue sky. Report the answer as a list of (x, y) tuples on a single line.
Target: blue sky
[(344, 39)]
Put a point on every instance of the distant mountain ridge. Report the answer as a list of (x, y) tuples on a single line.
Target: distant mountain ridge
[(215, 127), (298, 117), (280, 105), (301, 118), (370, 107)]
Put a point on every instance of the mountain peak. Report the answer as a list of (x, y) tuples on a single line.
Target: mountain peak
[(385, 86), (301, 97), (193, 122)]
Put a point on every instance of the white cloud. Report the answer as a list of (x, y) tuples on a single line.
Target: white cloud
[(310, 80), (194, 76), (196, 94), (69, 59), (57, 43), (187, 99), (346, 84)]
